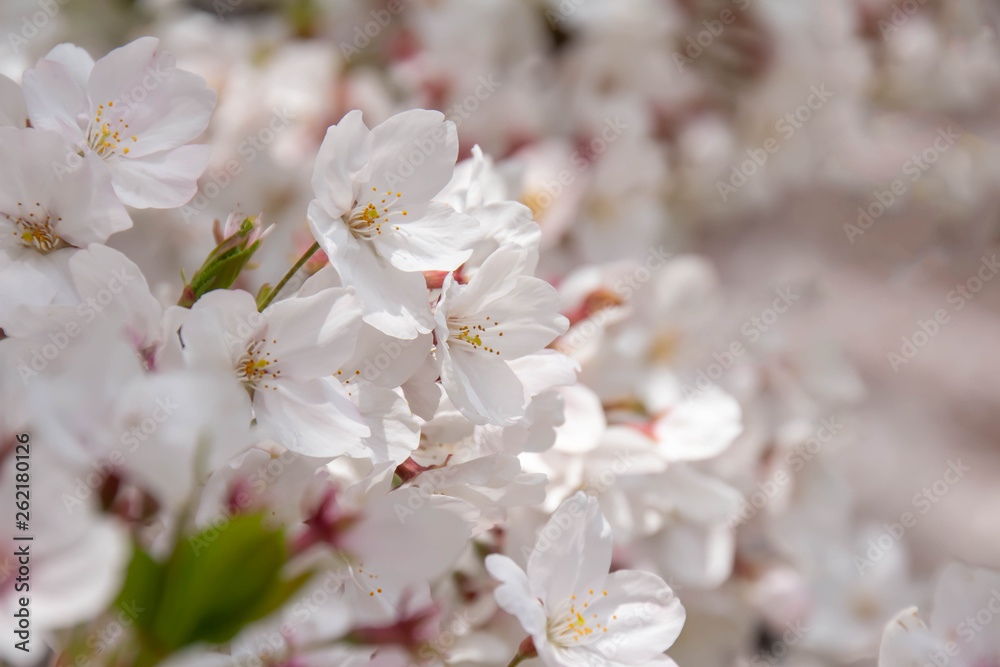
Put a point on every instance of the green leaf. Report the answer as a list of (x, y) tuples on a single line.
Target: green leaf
[(262, 294), (140, 595), (219, 581)]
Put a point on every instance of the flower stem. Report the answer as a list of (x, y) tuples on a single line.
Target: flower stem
[(288, 276), (524, 651), (517, 660)]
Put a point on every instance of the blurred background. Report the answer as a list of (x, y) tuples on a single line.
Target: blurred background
[(825, 173)]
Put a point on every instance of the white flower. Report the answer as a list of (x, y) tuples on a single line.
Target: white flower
[(134, 109), (164, 432), (960, 633), (575, 611), (694, 427), (43, 214), (285, 357), (499, 316), (479, 189), (374, 217), (76, 558), (388, 545), (104, 284), (42, 210)]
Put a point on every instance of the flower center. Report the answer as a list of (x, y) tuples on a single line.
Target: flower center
[(368, 581), (33, 227), (579, 625), (368, 219), (474, 333), (105, 134), (253, 368)]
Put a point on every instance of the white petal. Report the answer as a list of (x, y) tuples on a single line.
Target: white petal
[(514, 595), (162, 180), (484, 390), (395, 302), (435, 240), (341, 163), (313, 418), (907, 642), (413, 153), (55, 101), (315, 335), (573, 553), (700, 426), (650, 617)]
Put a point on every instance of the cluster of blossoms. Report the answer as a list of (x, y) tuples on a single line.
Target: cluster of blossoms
[(455, 403)]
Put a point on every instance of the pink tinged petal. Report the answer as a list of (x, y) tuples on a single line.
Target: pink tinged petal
[(961, 592), (573, 552), (394, 430), (436, 240), (484, 389), (414, 153), (121, 69), (33, 280), (55, 101), (341, 164), (163, 180), (99, 267), (386, 361), (649, 615), (524, 309), (314, 418), (409, 545), (174, 111), (514, 595), (699, 427), (87, 204), (217, 329), (76, 197), (906, 642), (165, 107), (75, 59), (313, 336), (395, 302), (85, 578)]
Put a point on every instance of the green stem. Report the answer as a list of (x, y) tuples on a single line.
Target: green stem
[(517, 659), (288, 276)]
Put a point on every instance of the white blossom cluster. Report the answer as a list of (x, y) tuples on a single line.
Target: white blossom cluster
[(439, 386)]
